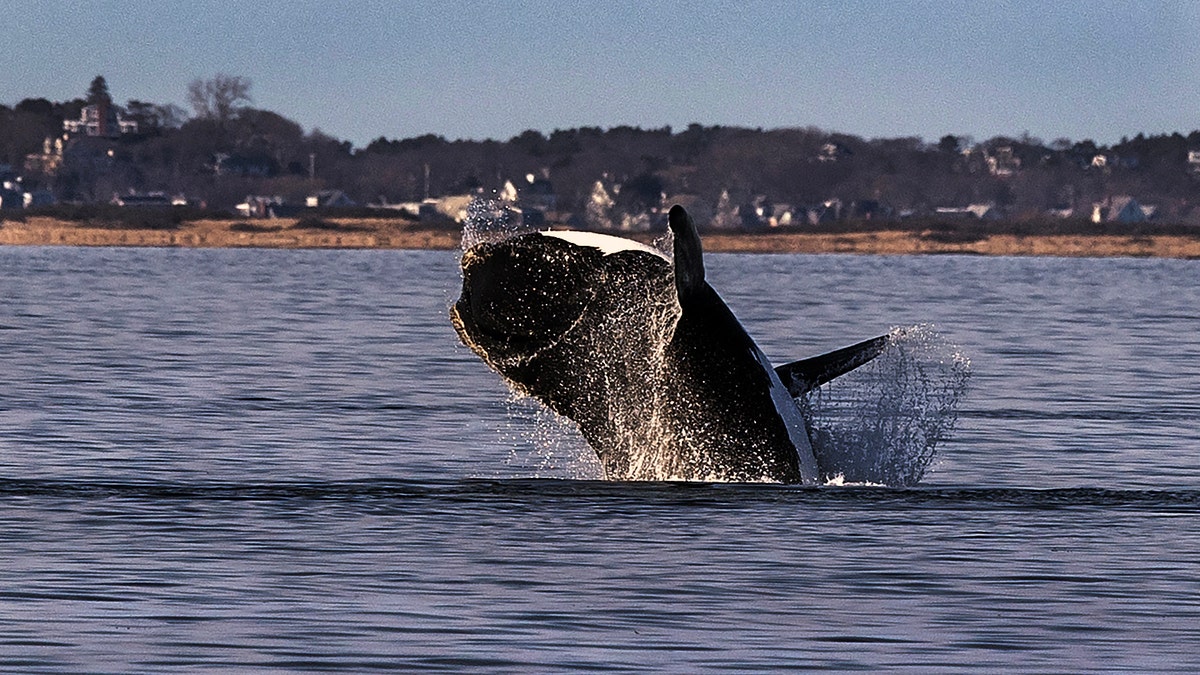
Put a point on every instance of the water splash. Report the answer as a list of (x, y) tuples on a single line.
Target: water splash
[(598, 212), (880, 424), (490, 220), (622, 353), (637, 380), (546, 445), (877, 426)]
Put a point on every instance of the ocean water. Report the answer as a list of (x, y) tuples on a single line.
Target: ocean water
[(283, 461)]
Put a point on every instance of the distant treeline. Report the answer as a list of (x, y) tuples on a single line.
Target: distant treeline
[(226, 149)]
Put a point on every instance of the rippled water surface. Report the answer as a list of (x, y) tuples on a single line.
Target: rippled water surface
[(284, 460)]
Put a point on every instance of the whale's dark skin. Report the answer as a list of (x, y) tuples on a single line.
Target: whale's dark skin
[(642, 354)]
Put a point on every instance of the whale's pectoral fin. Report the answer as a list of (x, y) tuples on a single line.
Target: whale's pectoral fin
[(689, 259), (804, 375)]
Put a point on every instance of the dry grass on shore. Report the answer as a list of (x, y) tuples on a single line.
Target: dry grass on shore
[(275, 233), (392, 233)]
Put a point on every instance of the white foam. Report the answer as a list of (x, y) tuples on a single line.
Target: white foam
[(607, 243), (840, 481)]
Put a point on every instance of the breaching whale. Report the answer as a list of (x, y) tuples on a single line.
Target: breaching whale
[(643, 355)]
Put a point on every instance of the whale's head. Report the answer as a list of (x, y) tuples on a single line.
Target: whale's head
[(526, 294), (522, 295)]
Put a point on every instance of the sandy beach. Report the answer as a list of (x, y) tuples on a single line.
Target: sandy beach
[(385, 233)]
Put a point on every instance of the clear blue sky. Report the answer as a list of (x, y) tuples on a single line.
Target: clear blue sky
[(1097, 69)]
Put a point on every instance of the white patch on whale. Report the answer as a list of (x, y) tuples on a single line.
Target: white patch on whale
[(607, 243), (793, 419)]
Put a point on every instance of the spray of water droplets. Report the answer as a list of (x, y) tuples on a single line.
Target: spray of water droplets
[(880, 424), (490, 220), (620, 366), (545, 445)]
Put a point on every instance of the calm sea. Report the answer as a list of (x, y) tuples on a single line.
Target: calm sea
[(284, 461)]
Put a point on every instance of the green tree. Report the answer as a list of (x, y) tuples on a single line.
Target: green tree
[(98, 92)]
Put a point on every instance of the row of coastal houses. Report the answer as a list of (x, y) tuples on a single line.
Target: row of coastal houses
[(531, 202), (535, 204), (1115, 209), (540, 208), (1003, 161), (534, 200)]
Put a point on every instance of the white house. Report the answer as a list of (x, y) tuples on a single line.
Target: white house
[(1121, 209), (1194, 161), (983, 211), (100, 119), (329, 199), (1002, 161)]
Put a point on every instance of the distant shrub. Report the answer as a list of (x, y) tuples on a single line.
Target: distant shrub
[(954, 236), (360, 212), (122, 217), (317, 223), (243, 226)]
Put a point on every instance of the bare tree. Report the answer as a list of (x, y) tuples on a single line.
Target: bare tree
[(220, 97)]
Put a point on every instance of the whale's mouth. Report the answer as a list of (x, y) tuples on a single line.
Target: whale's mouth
[(520, 296)]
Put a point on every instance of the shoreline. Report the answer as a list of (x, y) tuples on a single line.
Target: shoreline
[(393, 234)]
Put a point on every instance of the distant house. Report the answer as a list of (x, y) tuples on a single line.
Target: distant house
[(1106, 162), (439, 209), (987, 211), (48, 161), (405, 208), (825, 212), (329, 199), (780, 215), (982, 211), (832, 152), (100, 119), (1002, 162), (723, 213), (262, 206), (1121, 209), (761, 212), (1193, 159), (412, 209), (756, 213)]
